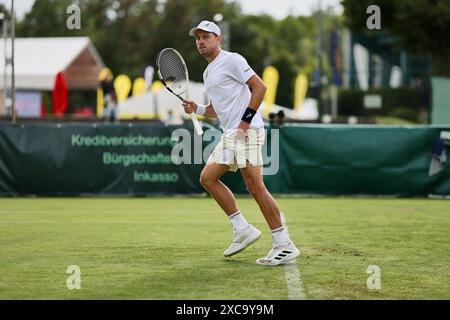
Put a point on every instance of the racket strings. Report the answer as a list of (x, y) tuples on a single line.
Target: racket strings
[(172, 71)]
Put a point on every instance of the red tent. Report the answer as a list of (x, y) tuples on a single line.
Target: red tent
[(60, 95)]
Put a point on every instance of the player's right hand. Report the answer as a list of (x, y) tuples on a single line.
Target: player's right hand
[(189, 106)]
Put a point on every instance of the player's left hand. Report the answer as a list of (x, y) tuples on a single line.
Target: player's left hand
[(244, 126), (242, 130)]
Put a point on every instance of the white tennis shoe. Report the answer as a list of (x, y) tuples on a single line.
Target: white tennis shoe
[(279, 254), (242, 240)]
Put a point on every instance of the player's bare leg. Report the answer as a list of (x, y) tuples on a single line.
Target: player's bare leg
[(244, 233), (209, 179), (283, 248), (255, 185)]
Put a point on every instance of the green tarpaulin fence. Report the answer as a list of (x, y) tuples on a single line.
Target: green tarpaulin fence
[(136, 159)]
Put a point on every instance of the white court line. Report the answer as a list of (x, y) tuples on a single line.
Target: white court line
[(292, 275), (294, 282)]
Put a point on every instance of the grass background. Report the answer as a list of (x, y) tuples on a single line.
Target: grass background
[(171, 248)]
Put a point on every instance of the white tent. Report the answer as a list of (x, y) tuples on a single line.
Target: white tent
[(38, 61)]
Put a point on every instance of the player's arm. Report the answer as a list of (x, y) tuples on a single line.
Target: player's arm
[(207, 111), (258, 89), (210, 113)]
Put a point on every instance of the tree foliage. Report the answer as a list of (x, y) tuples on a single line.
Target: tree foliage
[(419, 26), (129, 33)]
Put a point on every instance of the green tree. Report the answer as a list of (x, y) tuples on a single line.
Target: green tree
[(129, 33), (288, 44), (418, 26), (46, 18)]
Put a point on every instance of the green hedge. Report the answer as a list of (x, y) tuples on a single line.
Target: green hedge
[(402, 103)]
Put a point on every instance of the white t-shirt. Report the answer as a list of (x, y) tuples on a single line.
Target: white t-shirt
[(225, 82)]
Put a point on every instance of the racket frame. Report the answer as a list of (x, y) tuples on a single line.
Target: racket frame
[(194, 119)]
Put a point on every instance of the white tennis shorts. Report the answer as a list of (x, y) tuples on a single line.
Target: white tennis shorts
[(236, 152)]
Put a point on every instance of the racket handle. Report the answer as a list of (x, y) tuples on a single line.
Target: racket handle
[(198, 127)]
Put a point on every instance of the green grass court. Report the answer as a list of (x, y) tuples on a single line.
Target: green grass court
[(171, 248)]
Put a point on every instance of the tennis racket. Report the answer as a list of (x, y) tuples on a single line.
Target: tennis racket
[(174, 75)]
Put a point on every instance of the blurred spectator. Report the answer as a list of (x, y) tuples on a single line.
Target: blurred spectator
[(277, 119), (173, 119), (110, 98), (424, 96), (272, 117), (281, 118)]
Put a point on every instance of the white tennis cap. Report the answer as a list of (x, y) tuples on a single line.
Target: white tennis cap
[(207, 26)]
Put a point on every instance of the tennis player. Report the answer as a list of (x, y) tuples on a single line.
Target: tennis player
[(236, 92)]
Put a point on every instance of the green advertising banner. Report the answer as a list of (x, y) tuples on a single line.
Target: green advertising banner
[(48, 159), (152, 159)]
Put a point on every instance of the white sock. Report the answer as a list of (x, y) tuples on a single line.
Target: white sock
[(238, 221), (280, 236)]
